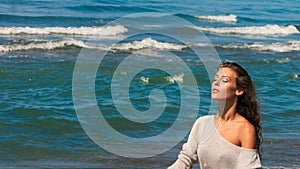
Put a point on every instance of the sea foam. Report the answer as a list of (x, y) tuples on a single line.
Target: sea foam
[(267, 30), (176, 78), (144, 79), (42, 45), (148, 43), (274, 47), (102, 31), (219, 18), (50, 45)]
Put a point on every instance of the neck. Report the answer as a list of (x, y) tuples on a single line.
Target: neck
[(227, 109)]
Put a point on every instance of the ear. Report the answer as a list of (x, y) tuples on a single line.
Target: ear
[(239, 92)]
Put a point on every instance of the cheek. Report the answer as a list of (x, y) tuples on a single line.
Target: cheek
[(229, 89)]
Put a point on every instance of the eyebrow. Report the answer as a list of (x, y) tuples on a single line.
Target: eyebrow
[(222, 76)]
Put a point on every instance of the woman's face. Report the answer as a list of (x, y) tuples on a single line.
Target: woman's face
[(224, 85)]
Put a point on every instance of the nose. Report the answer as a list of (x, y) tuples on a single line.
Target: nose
[(216, 82)]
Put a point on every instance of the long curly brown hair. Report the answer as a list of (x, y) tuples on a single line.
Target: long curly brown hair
[(248, 104)]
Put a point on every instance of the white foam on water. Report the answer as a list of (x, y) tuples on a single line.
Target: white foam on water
[(43, 45), (176, 78), (50, 45), (144, 79), (231, 18), (147, 43), (274, 47), (102, 31), (267, 30)]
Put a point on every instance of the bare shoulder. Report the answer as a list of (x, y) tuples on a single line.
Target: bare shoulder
[(247, 134)]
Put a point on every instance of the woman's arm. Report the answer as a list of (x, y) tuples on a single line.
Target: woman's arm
[(188, 155), (247, 136), (248, 158)]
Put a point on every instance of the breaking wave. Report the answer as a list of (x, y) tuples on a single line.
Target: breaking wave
[(219, 18), (274, 47), (267, 30), (41, 45), (22, 45), (102, 31), (148, 43)]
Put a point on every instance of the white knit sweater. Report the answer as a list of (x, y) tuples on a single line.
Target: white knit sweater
[(206, 145)]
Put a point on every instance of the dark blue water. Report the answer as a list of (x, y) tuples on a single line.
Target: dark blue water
[(41, 41)]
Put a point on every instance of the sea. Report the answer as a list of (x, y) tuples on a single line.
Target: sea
[(118, 84)]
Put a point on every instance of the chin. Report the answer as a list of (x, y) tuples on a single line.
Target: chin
[(217, 99), (214, 98)]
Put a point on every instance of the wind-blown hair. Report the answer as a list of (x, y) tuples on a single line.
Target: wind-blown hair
[(248, 104)]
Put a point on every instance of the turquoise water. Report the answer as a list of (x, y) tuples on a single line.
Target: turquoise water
[(40, 42)]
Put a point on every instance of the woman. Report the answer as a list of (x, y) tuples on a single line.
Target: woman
[(231, 138)]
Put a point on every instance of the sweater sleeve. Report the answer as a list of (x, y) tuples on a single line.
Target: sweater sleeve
[(188, 155), (248, 159)]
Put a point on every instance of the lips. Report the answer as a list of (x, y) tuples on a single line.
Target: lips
[(214, 90)]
